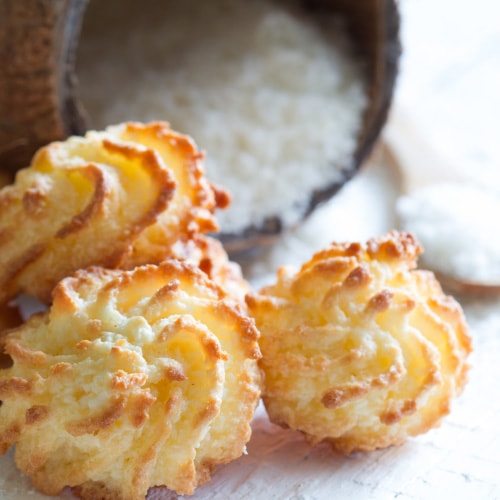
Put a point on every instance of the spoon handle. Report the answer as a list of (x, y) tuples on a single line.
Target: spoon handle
[(417, 161)]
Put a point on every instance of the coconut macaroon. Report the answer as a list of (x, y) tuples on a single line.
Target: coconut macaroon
[(210, 256), (359, 347), (116, 198), (131, 379)]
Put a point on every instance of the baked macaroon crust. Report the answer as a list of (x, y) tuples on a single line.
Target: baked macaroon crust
[(359, 348), (208, 254), (131, 379), (117, 198)]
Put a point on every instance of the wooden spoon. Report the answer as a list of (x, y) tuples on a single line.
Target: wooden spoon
[(420, 167)]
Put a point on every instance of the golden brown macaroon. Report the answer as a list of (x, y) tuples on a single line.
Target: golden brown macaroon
[(358, 347), (116, 198), (209, 255), (131, 379)]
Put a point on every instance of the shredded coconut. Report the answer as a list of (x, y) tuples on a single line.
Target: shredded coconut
[(274, 96), (457, 226)]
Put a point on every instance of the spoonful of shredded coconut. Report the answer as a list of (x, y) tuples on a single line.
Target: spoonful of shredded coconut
[(456, 221), (456, 224)]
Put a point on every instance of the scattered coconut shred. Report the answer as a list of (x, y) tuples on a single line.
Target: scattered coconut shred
[(272, 95)]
